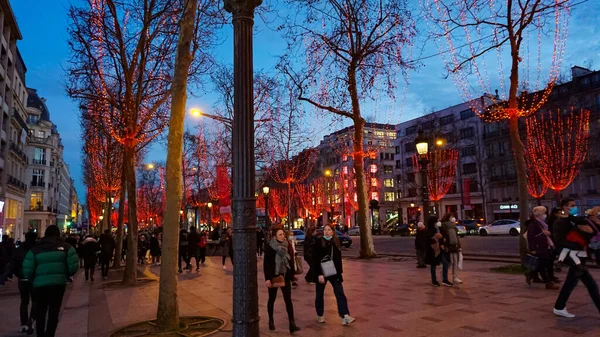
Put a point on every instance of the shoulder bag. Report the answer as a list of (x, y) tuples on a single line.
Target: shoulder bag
[(298, 268), (278, 282), (327, 265)]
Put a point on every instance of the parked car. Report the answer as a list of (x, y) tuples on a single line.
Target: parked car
[(462, 231), (345, 240), (298, 236), (472, 225), (354, 231), (402, 230), (501, 227)]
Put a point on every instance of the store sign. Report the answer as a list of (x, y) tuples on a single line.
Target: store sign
[(513, 206)]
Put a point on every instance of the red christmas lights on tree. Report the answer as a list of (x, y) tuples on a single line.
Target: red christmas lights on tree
[(558, 144), (536, 187), (441, 171)]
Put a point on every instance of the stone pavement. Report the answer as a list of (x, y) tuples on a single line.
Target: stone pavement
[(388, 297)]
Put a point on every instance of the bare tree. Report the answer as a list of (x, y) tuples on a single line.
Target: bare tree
[(354, 48)]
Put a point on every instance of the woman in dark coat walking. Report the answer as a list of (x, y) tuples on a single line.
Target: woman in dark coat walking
[(90, 250), (309, 246), (421, 244), (279, 261), (541, 245), (328, 248), (436, 252)]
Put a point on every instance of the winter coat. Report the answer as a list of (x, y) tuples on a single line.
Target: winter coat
[(536, 239), (421, 240), (154, 246), (183, 239), (309, 247), (269, 263), (193, 241), (323, 248), (19, 257), (560, 230), (90, 251), (225, 243), (445, 231), (50, 262), (430, 257), (107, 245)]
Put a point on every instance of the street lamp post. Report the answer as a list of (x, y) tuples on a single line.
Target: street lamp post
[(267, 218), (245, 284), (422, 145)]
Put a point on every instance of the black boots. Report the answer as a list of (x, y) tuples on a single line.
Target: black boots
[(293, 327), (271, 325)]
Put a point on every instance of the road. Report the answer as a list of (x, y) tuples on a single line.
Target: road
[(471, 245)]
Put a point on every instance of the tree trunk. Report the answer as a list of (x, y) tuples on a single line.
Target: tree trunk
[(289, 204), (167, 314), (518, 150), (130, 275), (120, 220)]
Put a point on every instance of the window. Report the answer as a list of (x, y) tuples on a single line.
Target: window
[(446, 120), (409, 147), (466, 114), (374, 182), (469, 168), (373, 168), (379, 134), (38, 177), (473, 186), (391, 135), (468, 151), (501, 148), (375, 196), (412, 192), (398, 164), (345, 157), (467, 132), (411, 130), (408, 162), (36, 200), (13, 209), (410, 177), (388, 169), (381, 156), (428, 125), (345, 169), (33, 119), (388, 182), (397, 148), (389, 196), (41, 134)]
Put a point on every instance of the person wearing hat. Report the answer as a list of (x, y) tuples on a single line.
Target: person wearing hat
[(421, 244)]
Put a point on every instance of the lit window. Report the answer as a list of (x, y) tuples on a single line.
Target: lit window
[(374, 182), (345, 169), (389, 182), (390, 196), (344, 157), (375, 196), (355, 198), (373, 168)]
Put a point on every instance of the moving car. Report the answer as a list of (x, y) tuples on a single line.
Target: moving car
[(472, 225), (462, 231), (501, 227), (354, 231), (345, 240), (298, 236), (402, 230)]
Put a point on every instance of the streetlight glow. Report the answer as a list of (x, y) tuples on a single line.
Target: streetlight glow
[(328, 173), (196, 112), (421, 143), (439, 142), (150, 166), (266, 190), (209, 205)]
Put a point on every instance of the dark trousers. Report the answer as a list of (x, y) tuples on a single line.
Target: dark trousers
[(287, 297), (546, 268), (259, 248), (89, 271), (444, 261), (47, 300), (225, 259), (310, 275), (420, 257), (340, 297), (196, 255), (575, 274), (183, 255), (202, 252), (25, 288), (104, 263)]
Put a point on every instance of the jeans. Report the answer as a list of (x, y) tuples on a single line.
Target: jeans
[(25, 288), (576, 273), (338, 291), (444, 260), (47, 300), (287, 298)]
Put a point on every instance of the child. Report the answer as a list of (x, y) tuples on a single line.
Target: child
[(575, 238)]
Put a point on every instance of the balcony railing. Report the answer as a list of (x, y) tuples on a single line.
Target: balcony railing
[(16, 183), (36, 183), (18, 152), (40, 140), (36, 208), (38, 161)]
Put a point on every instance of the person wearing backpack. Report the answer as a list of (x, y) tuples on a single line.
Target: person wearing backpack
[(48, 265), (193, 248)]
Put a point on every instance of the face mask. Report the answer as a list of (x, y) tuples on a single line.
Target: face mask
[(543, 217), (438, 224), (327, 237), (453, 219), (574, 211)]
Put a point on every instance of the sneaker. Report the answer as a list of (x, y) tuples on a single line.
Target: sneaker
[(457, 280), (563, 313), (31, 328), (435, 283), (347, 320), (321, 319), (447, 284), (24, 328)]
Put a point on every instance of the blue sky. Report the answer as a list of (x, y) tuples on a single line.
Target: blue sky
[(45, 51)]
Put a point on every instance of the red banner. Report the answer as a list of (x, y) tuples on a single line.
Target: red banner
[(466, 192), (223, 188)]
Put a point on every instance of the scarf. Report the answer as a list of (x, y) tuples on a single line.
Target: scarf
[(545, 227), (452, 237), (282, 257)]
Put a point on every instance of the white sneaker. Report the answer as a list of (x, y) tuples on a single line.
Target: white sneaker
[(457, 280), (24, 328), (347, 320), (321, 319), (224, 268), (563, 313)]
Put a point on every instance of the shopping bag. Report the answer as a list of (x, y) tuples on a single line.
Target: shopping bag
[(460, 261)]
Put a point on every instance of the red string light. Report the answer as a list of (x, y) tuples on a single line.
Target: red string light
[(441, 171)]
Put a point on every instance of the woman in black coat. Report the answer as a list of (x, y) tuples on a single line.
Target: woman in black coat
[(279, 261), (328, 248), (436, 252), (309, 246), (90, 250)]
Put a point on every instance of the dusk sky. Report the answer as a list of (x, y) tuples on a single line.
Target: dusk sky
[(45, 52)]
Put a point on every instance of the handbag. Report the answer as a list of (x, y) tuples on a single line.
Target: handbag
[(278, 282), (327, 265), (531, 262), (298, 268)]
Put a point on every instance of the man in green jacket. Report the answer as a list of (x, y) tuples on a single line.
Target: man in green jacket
[(48, 265)]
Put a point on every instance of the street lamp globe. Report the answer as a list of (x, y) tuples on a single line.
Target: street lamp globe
[(328, 173), (412, 204), (112, 200), (209, 205), (196, 112), (150, 166), (180, 211), (421, 144), (101, 218), (266, 190)]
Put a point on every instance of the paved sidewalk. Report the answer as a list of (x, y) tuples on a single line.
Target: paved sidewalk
[(389, 297)]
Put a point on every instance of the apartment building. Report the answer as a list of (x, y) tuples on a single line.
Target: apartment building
[(336, 164)]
